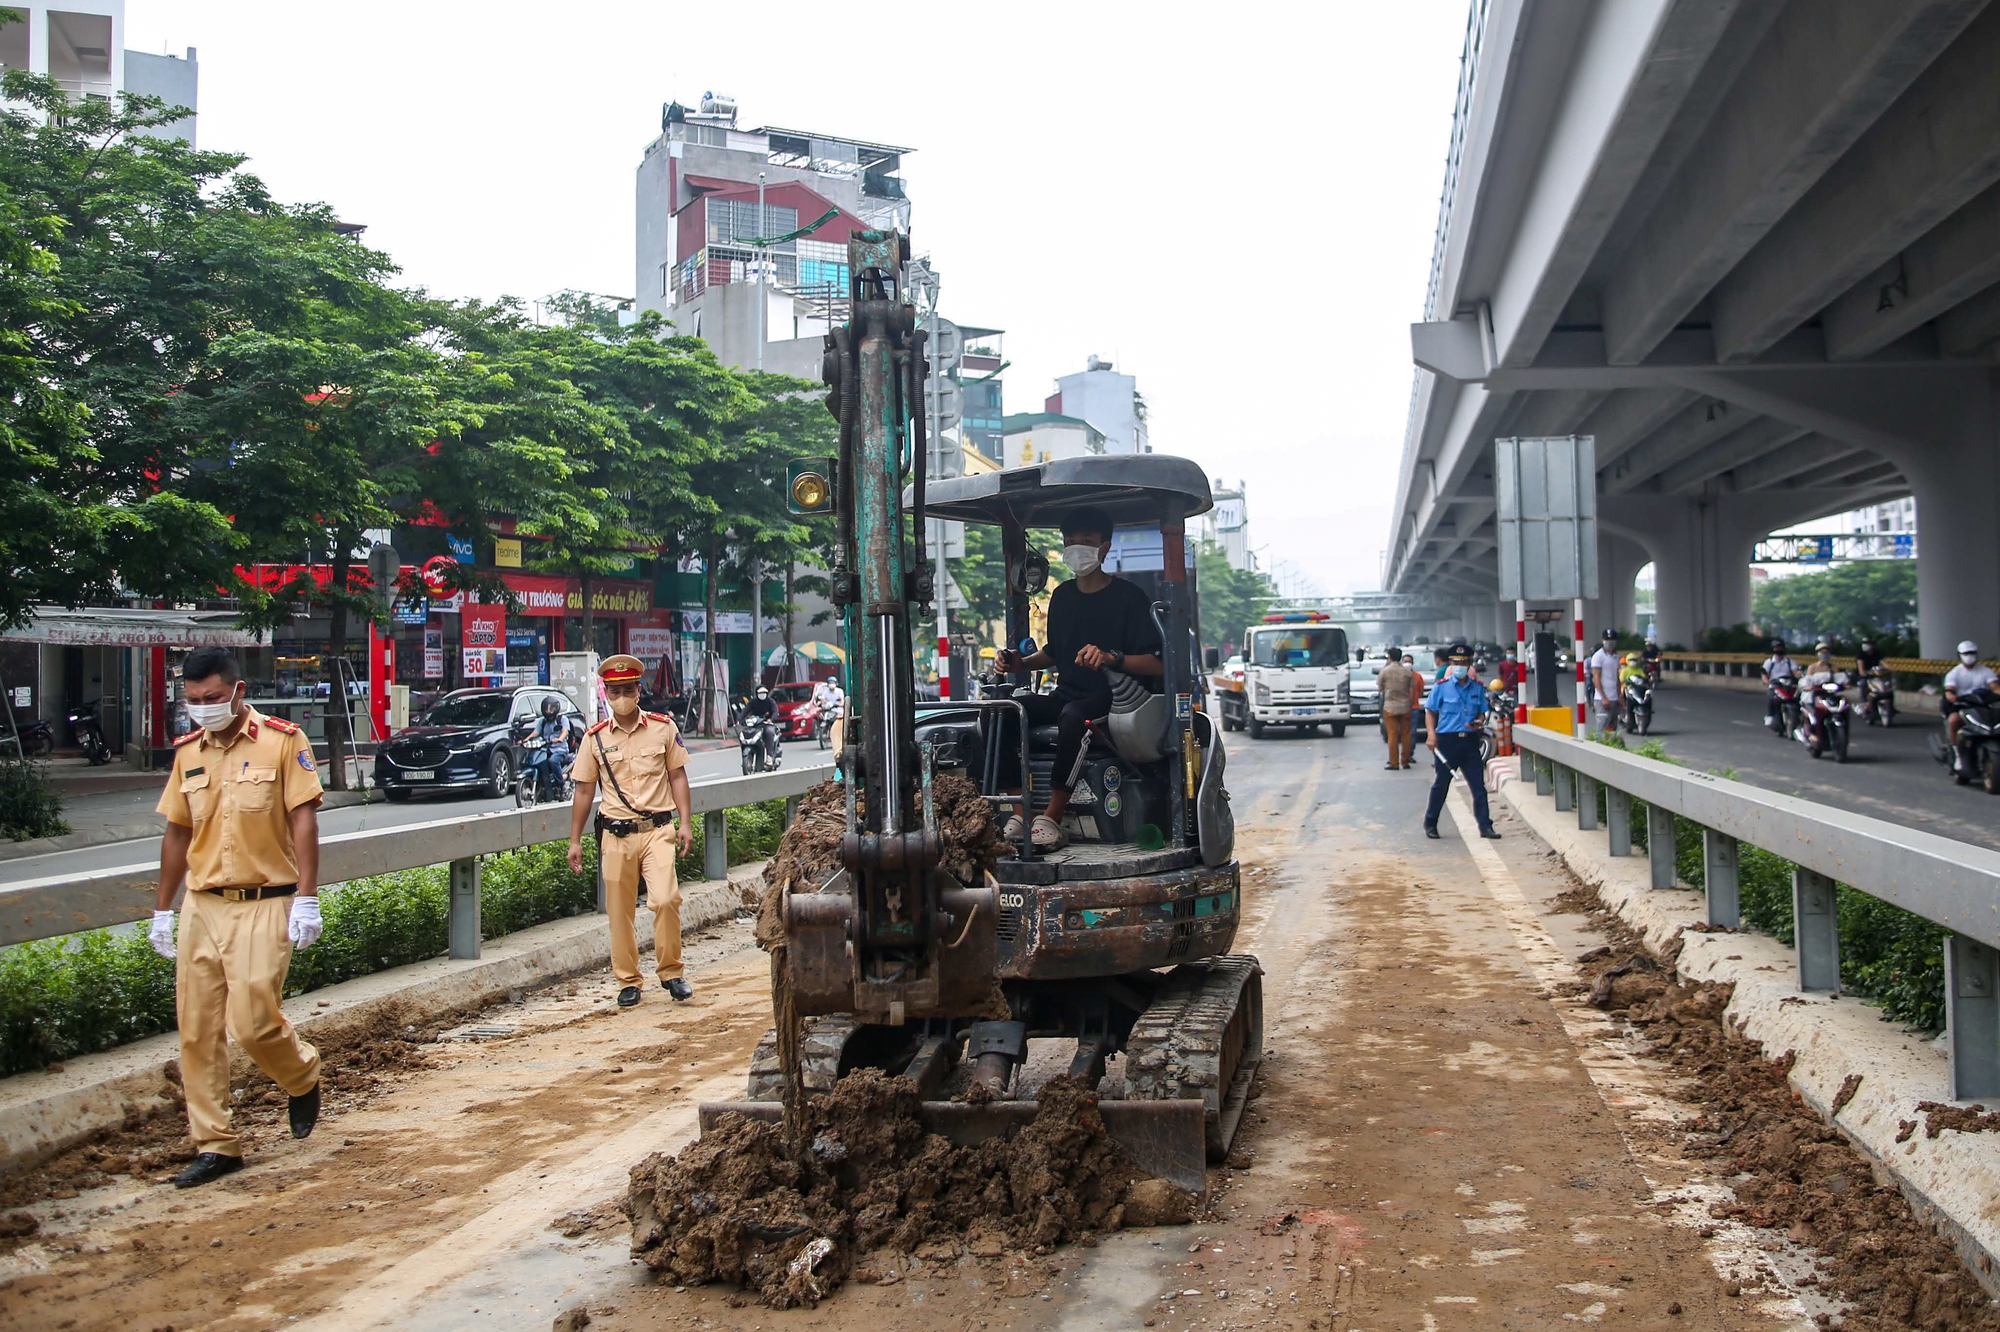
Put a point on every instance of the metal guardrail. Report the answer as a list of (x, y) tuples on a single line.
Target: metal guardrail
[(1755, 660), (1949, 883), (71, 903)]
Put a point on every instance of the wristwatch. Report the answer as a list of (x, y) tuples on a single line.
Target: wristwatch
[(1118, 661)]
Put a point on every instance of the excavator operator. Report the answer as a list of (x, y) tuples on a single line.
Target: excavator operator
[(1096, 623)]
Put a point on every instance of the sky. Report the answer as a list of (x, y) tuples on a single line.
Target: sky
[(1235, 204)]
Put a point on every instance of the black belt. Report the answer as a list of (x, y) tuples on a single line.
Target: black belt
[(626, 827), (251, 894)]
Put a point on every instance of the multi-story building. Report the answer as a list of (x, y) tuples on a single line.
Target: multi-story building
[(1895, 516), (81, 43), (1039, 437), (1111, 402), (708, 191), (1228, 524), (982, 427)]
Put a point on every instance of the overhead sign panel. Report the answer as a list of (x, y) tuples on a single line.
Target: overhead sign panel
[(1545, 490)]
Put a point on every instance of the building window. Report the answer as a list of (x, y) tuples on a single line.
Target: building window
[(735, 221)]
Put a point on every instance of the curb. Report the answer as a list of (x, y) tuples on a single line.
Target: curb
[(1950, 1181), (44, 1113)]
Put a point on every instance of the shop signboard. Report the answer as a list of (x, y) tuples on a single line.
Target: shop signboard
[(412, 611), (694, 620), (507, 552), (553, 597), (433, 654), (483, 627), (732, 622), (486, 664), (528, 654), (460, 548), (649, 645)]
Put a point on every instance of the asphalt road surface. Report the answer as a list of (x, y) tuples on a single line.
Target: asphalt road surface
[(1448, 1138), (1889, 774), (705, 766)]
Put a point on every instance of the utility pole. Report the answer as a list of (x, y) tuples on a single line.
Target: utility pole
[(763, 258)]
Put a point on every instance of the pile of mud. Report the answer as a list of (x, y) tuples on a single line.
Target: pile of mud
[(790, 1223), (1803, 1177)]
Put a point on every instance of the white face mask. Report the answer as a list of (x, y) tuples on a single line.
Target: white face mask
[(1969, 658), (1460, 672), (1081, 559), (212, 716)]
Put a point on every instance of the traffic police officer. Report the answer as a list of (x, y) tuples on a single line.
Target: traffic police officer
[(1454, 708), (639, 757), (241, 806)]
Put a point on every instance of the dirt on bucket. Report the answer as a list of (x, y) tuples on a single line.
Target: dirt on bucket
[(791, 1220)]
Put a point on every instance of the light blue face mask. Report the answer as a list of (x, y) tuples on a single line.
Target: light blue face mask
[(1460, 672)]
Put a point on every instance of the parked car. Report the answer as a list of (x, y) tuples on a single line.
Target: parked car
[(465, 742), (1363, 694)]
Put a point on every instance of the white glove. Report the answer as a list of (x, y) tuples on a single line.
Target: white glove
[(161, 934), (305, 925)]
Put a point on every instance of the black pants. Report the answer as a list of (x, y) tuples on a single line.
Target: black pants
[(1459, 750), (1070, 715)]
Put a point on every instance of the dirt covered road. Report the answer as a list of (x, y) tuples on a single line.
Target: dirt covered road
[(1447, 1136)]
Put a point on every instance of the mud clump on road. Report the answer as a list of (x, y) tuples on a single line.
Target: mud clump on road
[(1803, 1177), (790, 1220)]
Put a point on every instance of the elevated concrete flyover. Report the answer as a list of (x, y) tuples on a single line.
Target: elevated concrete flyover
[(1753, 247)]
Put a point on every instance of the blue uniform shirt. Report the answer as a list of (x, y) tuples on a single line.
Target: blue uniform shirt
[(1457, 703)]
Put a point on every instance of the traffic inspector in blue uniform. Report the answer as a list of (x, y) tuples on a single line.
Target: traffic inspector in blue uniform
[(1456, 708)]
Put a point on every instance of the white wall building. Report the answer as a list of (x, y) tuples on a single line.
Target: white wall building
[(1228, 524), (1109, 401), (81, 43), (1039, 437)]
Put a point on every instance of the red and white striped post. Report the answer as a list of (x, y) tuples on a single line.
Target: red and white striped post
[(944, 667), (1582, 713), (1521, 660)]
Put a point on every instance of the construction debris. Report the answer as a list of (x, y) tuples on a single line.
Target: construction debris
[(789, 1219)]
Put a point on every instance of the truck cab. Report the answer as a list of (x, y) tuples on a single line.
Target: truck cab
[(1295, 673)]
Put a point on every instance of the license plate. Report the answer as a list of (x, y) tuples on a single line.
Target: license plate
[(420, 775)]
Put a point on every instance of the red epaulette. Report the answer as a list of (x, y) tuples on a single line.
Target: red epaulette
[(281, 726), (191, 735), (600, 726), (659, 716)]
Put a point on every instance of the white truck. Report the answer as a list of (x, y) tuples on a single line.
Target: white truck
[(1294, 674)]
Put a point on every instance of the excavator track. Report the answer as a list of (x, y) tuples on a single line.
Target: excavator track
[(1201, 1037), (825, 1040)]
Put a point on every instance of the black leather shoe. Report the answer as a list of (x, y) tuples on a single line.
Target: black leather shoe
[(1431, 832), (205, 1167), (628, 997), (680, 990), (1489, 834), (305, 1113)]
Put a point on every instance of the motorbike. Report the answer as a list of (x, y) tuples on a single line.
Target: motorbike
[(1653, 671), (1878, 697), (89, 733), (38, 739), (823, 726), (1826, 720), (542, 780), (1781, 714), (757, 739), (1976, 756), (1638, 695)]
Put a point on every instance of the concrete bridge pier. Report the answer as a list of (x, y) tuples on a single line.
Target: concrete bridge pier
[(1958, 531)]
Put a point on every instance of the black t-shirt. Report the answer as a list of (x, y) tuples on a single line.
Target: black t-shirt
[(1868, 658), (761, 707), (1117, 618)]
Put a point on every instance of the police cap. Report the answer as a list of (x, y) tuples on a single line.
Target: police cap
[(621, 669)]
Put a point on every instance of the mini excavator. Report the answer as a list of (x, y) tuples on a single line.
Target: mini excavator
[(1117, 944)]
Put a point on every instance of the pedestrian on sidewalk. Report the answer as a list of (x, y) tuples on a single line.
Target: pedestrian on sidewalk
[(1455, 711), (1402, 689), (241, 805), (640, 758)]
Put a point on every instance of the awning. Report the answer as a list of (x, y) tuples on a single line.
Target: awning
[(125, 626), (813, 651)]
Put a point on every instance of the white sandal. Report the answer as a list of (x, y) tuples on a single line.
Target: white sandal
[(1048, 835), (1012, 832)]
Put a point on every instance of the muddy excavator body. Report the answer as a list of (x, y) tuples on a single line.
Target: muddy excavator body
[(1117, 944)]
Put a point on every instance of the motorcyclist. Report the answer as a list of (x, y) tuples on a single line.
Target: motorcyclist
[(828, 698), (765, 707), (556, 732), (1778, 667), (1822, 669), (1969, 677), (1650, 654), (1867, 657)]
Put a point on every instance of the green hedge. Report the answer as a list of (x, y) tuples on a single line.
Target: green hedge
[(69, 996), (1890, 955), (29, 806)]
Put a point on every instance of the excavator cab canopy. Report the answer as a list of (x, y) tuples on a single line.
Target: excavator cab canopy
[(1133, 488)]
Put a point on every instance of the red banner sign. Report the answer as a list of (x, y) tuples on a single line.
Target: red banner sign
[(483, 626), (546, 595)]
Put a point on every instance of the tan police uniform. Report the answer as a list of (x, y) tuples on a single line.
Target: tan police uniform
[(638, 760), (229, 976)]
